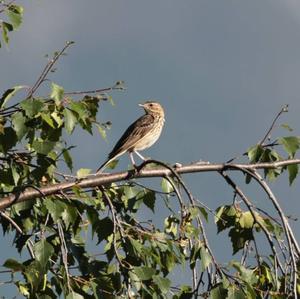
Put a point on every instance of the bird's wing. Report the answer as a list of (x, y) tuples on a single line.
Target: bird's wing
[(133, 134)]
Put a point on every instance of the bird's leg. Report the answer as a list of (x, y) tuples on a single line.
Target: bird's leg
[(142, 157), (132, 159)]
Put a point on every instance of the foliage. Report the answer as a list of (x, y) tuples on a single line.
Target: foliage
[(134, 258), (13, 15)]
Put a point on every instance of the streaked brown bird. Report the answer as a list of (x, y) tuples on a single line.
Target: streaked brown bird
[(140, 135)]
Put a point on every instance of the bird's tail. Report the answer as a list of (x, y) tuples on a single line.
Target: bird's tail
[(110, 159), (104, 165)]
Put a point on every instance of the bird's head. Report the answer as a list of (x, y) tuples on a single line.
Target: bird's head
[(153, 107)]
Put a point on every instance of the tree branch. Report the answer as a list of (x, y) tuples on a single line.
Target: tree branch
[(107, 178)]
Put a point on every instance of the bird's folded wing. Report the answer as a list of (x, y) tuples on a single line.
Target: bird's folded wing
[(135, 132)]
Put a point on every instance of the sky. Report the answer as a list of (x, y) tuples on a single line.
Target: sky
[(221, 69)]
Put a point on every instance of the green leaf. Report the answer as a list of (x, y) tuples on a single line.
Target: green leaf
[(8, 139), (255, 152), (69, 215), (68, 159), (287, 127), (246, 220), (144, 273), (166, 186), (55, 207), (218, 293), (290, 144), (149, 199), (235, 293), (104, 228), (74, 295), (203, 212), (171, 225), (15, 174), (163, 283), (101, 131), (34, 274), (43, 147), (18, 122), (195, 254), (293, 172), (239, 237), (43, 251), (57, 93), (247, 275), (8, 94), (6, 27), (32, 107), (225, 217), (57, 118), (79, 108), (15, 14), (70, 120), (13, 264), (83, 172), (47, 118), (205, 258)]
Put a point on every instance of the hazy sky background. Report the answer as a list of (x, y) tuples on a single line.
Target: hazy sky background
[(221, 69)]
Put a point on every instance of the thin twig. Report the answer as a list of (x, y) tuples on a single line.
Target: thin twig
[(250, 207), (64, 252), (89, 91), (116, 226), (47, 69), (267, 135), (29, 245)]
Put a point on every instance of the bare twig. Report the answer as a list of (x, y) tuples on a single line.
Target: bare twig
[(47, 69), (64, 252), (267, 135), (116, 226)]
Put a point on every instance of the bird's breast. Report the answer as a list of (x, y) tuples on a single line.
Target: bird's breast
[(151, 137)]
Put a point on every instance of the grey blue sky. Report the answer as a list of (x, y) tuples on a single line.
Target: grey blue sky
[(221, 69)]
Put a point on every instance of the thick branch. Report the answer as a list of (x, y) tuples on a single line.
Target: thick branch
[(106, 178)]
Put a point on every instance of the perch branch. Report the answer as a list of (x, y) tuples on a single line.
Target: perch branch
[(107, 178)]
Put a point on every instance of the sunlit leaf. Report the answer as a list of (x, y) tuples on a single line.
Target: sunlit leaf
[(48, 119), (246, 220), (32, 107), (15, 14), (70, 120), (8, 94), (57, 93), (102, 131), (205, 258), (290, 144), (74, 295), (18, 122), (166, 186), (83, 172)]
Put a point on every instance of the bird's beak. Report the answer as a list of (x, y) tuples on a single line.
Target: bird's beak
[(141, 105)]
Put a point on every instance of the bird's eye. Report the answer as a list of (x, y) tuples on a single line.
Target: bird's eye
[(151, 105)]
